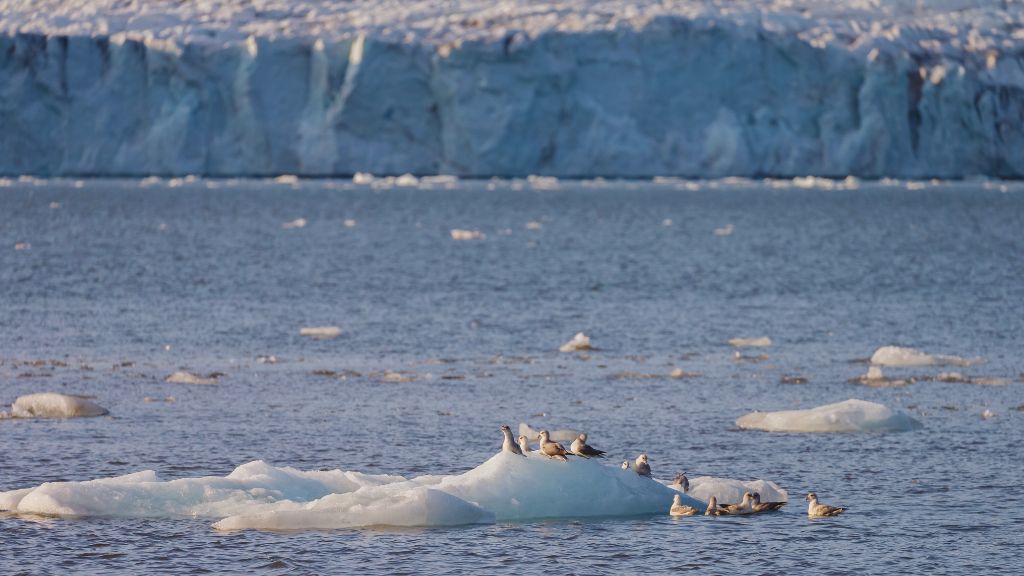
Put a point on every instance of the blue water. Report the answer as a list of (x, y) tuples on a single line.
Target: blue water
[(125, 283)]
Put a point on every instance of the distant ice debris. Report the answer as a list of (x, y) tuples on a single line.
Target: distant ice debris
[(407, 181), (349, 223), (726, 230), (555, 435), (666, 222), (987, 414), (290, 179), (876, 379), (362, 178), (534, 225), (543, 182), (184, 377), (54, 405), (458, 234), (297, 223), (679, 373), (54, 205), (320, 332), (579, 342), (847, 416), (898, 356), (22, 246), (761, 342), (266, 359)]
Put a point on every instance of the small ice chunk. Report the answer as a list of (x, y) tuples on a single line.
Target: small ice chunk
[(185, 377), (321, 332), (726, 230), (54, 205), (22, 246), (579, 342), (407, 181), (848, 416), (666, 222), (349, 223), (54, 405), (287, 179), (266, 359), (987, 414), (898, 356), (362, 178), (458, 234), (297, 223), (167, 399), (761, 342), (534, 225), (543, 182), (680, 373)]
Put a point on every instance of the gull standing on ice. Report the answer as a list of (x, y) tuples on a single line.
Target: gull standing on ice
[(524, 445), (580, 447), (642, 467), (680, 509), (712, 509), (759, 506), (815, 510), (507, 445), (744, 507), (551, 449), (682, 480)]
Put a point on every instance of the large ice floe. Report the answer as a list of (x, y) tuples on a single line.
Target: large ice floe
[(53, 405), (898, 356), (904, 88), (848, 416), (256, 495)]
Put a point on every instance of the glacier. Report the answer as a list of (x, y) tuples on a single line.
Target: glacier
[(584, 88)]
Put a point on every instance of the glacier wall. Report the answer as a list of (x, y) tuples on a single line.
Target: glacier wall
[(679, 96)]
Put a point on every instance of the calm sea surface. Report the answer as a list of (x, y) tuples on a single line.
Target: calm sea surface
[(119, 283)]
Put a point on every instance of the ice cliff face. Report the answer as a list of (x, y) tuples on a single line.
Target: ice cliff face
[(567, 89)]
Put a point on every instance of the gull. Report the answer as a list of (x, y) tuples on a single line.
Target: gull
[(507, 445), (680, 509), (580, 447), (551, 449), (815, 510), (642, 467), (744, 507), (759, 506), (712, 507), (524, 445), (682, 480)]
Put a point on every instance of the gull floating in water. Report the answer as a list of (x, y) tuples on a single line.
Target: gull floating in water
[(580, 447), (680, 509), (682, 480), (642, 467), (759, 506), (507, 445), (712, 509), (551, 449), (744, 507), (815, 510), (524, 444)]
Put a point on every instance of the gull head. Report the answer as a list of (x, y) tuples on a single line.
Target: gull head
[(811, 497), (757, 497), (543, 436), (583, 436), (641, 459), (505, 428)]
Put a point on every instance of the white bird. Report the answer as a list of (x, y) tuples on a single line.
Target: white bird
[(744, 507), (642, 467), (680, 509), (815, 510), (712, 509), (524, 445), (580, 447), (508, 445), (551, 449), (683, 481)]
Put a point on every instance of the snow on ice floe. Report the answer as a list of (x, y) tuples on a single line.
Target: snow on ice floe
[(54, 405), (578, 343), (898, 356), (260, 496), (761, 342), (848, 416), (320, 332)]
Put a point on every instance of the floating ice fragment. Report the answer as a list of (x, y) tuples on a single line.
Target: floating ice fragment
[(897, 356), (666, 222), (362, 178), (987, 414), (848, 416), (166, 399), (54, 205), (266, 359), (543, 182), (287, 179), (761, 342), (54, 405), (185, 377), (726, 230), (876, 379), (534, 225), (22, 246), (458, 234), (407, 180), (349, 223), (297, 223), (320, 332), (579, 342)]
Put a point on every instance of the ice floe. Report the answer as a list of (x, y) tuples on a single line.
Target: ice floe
[(54, 405), (459, 234), (579, 342), (297, 223), (898, 356), (320, 332), (848, 416), (185, 377), (761, 342), (728, 491)]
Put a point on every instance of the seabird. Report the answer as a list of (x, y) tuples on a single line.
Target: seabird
[(580, 447), (524, 445), (744, 507), (680, 509), (642, 467), (625, 464), (682, 480), (815, 510), (759, 506), (712, 509), (551, 449), (507, 445)]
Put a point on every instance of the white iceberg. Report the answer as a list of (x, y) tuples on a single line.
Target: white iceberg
[(260, 496), (578, 343), (54, 405), (184, 377), (848, 416), (900, 357), (761, 342), (320, 332)]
